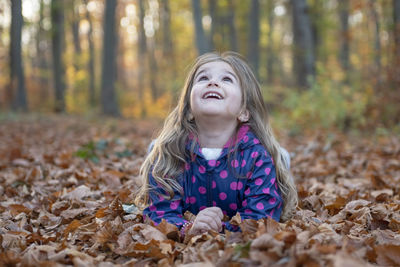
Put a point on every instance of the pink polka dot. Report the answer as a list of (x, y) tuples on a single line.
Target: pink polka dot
[(187, 200), (254, 154), (152, 208), (242, 153), (202, 190), (259, 163), (187, 166), (235, 163), (233, 206), (245, 138), (212, 163), (258, 181), (224, 212), (272, 201), (247, 191), (193, 179), (174, 204), (223, 174), (214, 203), (218, 162), (160, 213), (233, 185), (222, 196), (260, 206), (256, 141), (239, 185), (213, 184), (202, 169), (202, 207), (247, 211), (272, 180), (243, 163), (161, 198), (244, 203), (276, 186), (267, 171), (266, 190), (249, 175), (192, 200)]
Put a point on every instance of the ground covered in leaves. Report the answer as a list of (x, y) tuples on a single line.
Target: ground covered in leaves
[(66, 186)]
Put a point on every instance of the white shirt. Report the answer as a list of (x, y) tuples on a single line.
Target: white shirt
[(211, 153)]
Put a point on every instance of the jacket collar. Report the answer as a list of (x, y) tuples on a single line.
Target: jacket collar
[(243, 139)]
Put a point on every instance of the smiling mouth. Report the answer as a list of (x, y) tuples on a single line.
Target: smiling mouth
[(212, 95)]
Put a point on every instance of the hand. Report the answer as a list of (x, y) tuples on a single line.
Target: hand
[(207, 219)]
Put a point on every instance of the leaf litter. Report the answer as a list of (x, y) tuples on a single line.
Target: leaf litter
[(67, 187)]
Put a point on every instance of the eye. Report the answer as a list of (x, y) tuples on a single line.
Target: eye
[(203, 78), (227, 79)]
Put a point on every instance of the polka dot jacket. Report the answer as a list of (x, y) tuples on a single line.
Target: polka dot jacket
[(243, 181)]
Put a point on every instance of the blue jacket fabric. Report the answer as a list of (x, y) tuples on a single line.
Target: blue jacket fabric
[(243, 181)]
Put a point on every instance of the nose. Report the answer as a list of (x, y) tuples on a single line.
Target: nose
[(213, 83)]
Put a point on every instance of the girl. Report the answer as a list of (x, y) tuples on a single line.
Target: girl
[(216, 154)]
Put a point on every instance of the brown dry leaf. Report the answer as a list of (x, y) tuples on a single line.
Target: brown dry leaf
[(16, 209), (388, 255), (75, 224)]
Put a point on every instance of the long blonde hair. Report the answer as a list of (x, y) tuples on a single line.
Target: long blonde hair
[(167, 158)]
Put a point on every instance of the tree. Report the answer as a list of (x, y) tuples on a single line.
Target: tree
[(109, 103), (92, 91), (396, 20), (212, 10), (201, 41), (17, 82), (41, 55), (270, 45), (232, 28), (57, 23), (254, 36), (303, 46), (142, 50), (344, 35), (75, 21), (377, 42)]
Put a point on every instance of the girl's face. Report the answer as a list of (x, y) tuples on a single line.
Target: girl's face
[(216, 91)]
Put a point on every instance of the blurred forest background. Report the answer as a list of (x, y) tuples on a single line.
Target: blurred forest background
[(321, 63)]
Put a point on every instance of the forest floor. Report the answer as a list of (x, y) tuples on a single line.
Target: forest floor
[(66, 185)]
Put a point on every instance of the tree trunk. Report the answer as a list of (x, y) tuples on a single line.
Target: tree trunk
[(75, 28), (344, 35), (254, 36), (108, 96), (75, 33), (166, 29), (377, 42), (396, 20), (270, 45), (17, 82), (303, 48), (142, 50), (42, 62), (92, 90), (153, 72), (232, 28), (212, 10), (201, 42), (57, 19)]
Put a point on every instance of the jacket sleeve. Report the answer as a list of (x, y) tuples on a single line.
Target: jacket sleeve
[(262, 197), (160, 207)]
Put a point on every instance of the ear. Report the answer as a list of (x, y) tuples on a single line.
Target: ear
[(244, 116)]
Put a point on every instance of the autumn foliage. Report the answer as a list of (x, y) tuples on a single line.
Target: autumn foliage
[(67, 185)]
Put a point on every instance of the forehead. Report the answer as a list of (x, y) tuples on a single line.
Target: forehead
[(216, 66)]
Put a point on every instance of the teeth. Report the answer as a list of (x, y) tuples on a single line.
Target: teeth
[(212, 95)]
